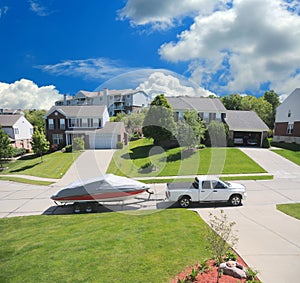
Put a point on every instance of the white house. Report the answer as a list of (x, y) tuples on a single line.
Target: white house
[(287, 121), (126, 100), (19, 130)]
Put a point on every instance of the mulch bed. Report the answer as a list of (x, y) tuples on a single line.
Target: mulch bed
[(211, 275)]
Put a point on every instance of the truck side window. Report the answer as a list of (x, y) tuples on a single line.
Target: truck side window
[(218, 185), (206, 185)]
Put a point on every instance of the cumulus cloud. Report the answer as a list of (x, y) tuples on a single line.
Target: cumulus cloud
[(25, 94), (162, 14), (169, 85), (248, 44), (92, 68)]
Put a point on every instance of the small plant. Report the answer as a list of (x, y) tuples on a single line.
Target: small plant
[(220, 236), (119, 145), (193, 274), (203, 268), (230, 255), (251, 275)]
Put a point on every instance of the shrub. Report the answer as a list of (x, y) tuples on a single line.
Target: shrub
[(18, 151), (230, 143), (78, 144), (266, 143), (68, 148), (119, 145)]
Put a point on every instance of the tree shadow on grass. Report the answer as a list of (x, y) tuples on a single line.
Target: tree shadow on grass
[(24, 168), (140, 152), (183, 154)]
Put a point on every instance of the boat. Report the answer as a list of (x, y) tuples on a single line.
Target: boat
[(106, 188)]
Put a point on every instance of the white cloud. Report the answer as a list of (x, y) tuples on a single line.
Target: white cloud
[(3, 11), (93, 68), (252, 43), (162, 14), (25, 94), (170, 85), (39, 9)]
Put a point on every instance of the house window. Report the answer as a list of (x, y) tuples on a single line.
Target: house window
[(16, 131), (90, 122), (84, 122), (212, 116), (290, 128), (62, 124), (289, 113), (50, 124), (57, 138)]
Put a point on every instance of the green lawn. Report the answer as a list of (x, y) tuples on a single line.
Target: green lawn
[(290, 151), (54, 165), (292, 209), (177, 161), (25, 181), (108, 247)]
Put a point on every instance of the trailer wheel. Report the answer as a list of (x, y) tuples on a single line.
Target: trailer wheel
[(185, 202), (77, 208)]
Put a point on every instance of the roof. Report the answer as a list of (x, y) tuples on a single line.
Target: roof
[(244, 121), (200, 104), (111, 127), (9, 120), (79, 111), (110, 92)]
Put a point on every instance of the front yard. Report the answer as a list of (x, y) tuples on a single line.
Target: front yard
[(54, 165), (106, 247), (179, 161)]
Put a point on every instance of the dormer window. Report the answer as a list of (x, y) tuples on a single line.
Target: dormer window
[(289, 113)]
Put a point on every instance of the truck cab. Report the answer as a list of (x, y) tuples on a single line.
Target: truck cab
[(206, 189)]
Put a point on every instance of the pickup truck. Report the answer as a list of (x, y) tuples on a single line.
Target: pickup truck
[(205, 189)]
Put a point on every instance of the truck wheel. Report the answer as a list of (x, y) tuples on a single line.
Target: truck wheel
[(235, 200), (89, 208), (185, 202), (77, 208)]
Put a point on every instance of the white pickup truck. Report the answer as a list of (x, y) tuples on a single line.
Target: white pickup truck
[(205, 189)]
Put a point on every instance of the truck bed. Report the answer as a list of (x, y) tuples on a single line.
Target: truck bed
[(180, 186)]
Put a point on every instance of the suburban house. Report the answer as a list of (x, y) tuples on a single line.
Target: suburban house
[(117, 101), (207, 108), (246, 127), (287, 121), (18, 128), (90, 122)]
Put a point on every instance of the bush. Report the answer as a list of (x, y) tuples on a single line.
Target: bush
[(78, 144), (68, 148), (18, 151), (266, 143), (119, 145), (230, 143)]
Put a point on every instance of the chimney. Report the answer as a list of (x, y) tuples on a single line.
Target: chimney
[(65, 99), (105, 96)]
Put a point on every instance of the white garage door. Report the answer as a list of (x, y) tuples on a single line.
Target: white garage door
[(103, 141)]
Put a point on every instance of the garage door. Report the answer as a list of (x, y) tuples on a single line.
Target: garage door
[(102, 141)]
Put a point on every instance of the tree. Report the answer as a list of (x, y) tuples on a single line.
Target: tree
[(6, 150), (39, 142), (159, 121), (197, 125), (232, 102), (272, 97), (216, 135), (36, 118)]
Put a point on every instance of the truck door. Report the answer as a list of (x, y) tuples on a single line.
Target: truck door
[(220, 190), (206, 192)]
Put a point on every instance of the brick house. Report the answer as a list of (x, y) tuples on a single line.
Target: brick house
[(90, 122)]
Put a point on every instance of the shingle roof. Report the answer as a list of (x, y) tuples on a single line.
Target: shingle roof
[(9, 120), (200, 104), (244, 121), (111, 127), (110, 92), (79, 111)]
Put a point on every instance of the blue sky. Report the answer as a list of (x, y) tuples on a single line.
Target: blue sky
[(52, 47)]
